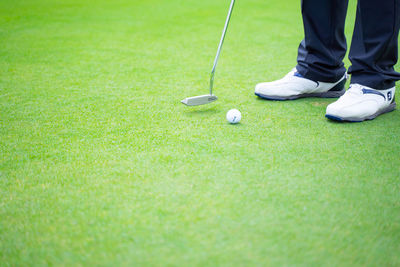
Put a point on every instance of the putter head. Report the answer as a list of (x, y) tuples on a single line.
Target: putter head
[(199, 100)]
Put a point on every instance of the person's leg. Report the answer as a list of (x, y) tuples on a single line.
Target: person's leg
[(373, 53), (320, 71), (374, 48), (321, 53)]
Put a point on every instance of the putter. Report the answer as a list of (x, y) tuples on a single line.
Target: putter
[(205, 99)]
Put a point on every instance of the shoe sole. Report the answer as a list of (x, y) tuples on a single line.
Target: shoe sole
[(336, 91), (390, 108)]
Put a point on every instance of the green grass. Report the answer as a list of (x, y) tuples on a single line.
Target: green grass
[(101, 165)]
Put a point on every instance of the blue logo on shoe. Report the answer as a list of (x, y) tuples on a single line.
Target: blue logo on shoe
[(297, 74), (375, 92)]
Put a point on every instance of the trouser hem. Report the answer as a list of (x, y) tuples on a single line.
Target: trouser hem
[(320, 77)]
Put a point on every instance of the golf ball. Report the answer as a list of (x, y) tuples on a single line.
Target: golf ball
[(233, 116)]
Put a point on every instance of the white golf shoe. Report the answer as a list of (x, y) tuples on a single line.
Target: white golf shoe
[(361, 103), (294, 86)]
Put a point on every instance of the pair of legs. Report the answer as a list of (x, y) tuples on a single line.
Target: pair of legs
[(320, 70), (374, 47)]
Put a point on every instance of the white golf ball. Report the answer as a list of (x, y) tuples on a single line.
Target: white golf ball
[(233, 116)]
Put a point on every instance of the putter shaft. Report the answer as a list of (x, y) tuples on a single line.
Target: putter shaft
[(221, 42)]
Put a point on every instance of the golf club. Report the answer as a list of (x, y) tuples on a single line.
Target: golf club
[(205, 99)]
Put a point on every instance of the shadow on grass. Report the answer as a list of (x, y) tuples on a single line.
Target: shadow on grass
[(317, 100), (200, 111), (235, 124), (283, 102), (259, 99)]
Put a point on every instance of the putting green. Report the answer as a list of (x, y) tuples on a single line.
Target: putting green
[(100, 163)]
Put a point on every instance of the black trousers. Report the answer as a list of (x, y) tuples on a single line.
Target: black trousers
[(374, 47)]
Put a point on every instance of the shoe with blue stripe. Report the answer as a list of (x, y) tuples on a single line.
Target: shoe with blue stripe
[(361, 103), (294, 86)]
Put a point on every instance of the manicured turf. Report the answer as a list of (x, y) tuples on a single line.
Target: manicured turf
[(101, 165)]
